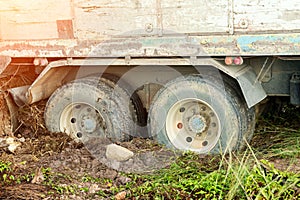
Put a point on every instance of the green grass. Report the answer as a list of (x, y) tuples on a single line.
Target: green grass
[(234, 179), (279, 141)]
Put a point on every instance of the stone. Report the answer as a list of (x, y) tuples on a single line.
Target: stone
[(121, 195), (110, 174), (12, 144), (118, 153)]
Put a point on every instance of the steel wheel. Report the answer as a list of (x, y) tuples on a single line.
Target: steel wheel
[(192, 124), (81, 120)]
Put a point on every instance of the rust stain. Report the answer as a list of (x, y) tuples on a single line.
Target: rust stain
[(65, 29)]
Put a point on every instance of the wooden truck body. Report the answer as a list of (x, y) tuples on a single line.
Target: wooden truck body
[(150, 44)]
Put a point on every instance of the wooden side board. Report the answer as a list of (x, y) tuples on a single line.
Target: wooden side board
[(66, 28), (33, 19)]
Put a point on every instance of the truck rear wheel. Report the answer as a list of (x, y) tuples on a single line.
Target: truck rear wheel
[(88, 108), (201, 115)]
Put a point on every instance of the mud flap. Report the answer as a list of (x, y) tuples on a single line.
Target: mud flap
[(8, 114), (251, 88)]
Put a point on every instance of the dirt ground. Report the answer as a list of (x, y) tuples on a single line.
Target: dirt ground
[(40, 149)]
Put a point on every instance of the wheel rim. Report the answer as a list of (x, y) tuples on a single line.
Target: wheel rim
[(82, 121), (191, 124)]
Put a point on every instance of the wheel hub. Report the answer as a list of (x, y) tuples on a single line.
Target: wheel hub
[(197, 123), (89, 124)]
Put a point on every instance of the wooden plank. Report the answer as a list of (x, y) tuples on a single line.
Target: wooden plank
[(105, 18), (194, 16), (44, 28), (32, 19), (266, 15), (148, 17), (96, 19)]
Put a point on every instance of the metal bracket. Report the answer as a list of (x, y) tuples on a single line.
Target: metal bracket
[(127, 60), (265, 74)]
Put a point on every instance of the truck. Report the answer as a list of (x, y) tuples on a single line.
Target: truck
[(188, 74)]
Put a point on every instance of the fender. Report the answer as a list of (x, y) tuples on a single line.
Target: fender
[(55, 74), (171, 51)]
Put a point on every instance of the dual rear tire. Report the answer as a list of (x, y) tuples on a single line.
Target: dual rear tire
[(204, 115)]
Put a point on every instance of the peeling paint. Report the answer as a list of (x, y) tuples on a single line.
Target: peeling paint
[(220, 45)]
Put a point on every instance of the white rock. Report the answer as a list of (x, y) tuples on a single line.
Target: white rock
[(22, 139), (12, 147), (118, 153), (10, 140), (12, 144)]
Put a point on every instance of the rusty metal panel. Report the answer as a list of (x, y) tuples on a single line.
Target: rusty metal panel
[(31, 19), (65, 29), (266, 15)]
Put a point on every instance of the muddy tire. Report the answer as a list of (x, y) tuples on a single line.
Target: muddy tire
[(204, 115), (140, 113), (88, 108)]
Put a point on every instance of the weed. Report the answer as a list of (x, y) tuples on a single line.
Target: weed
[(5, 166), (266, 182), (237, 177), (88, 178), (6, 176)]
